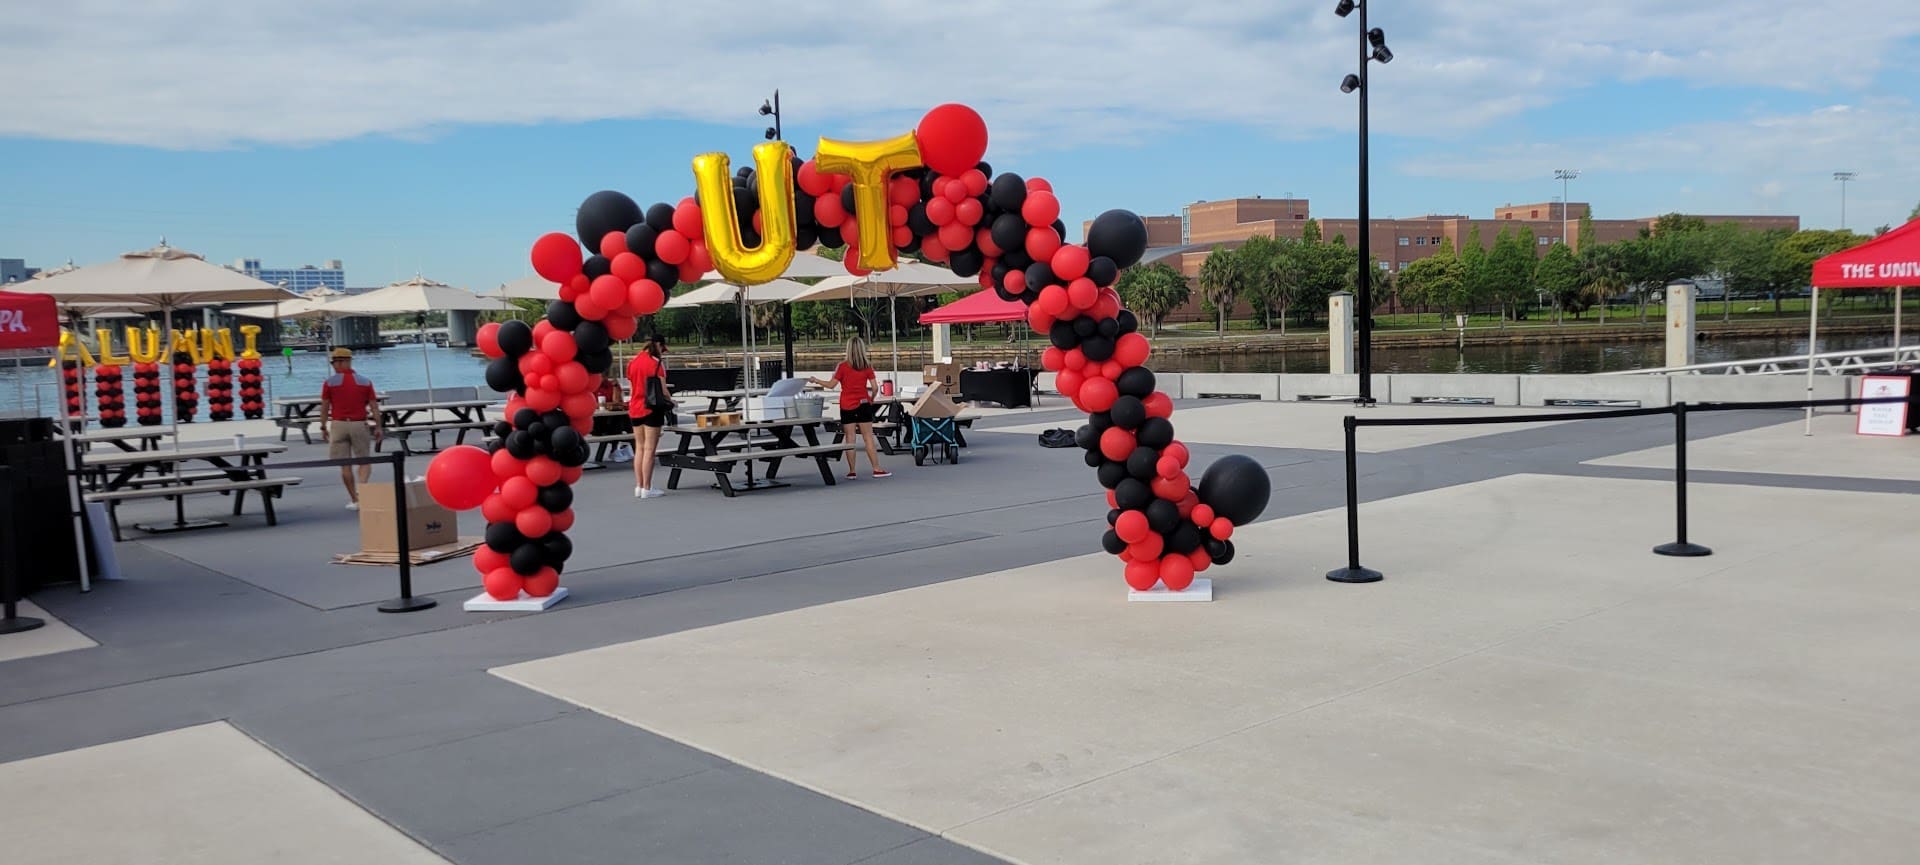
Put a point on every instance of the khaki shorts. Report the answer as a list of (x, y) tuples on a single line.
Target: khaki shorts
[(349, 438)]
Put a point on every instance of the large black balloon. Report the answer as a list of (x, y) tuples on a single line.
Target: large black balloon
[(555, 497), (1128, 412), (640, 239), (1162, 515), (590, 336), (1156, 432), (1008, 192), (1236, 487), (1110, 541), (660, 216), (504, 537), (503, 375), (602, 212), (1133, 494), (1143, 463), (528, 559), (514, 337), (1111, 473), (1136, 381), (1009, 231), (1118, 234), (562, 315)]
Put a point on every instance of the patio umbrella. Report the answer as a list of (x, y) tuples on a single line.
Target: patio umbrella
[(777, 291), (162, 278), (805, 265), (417, 296), (907, 279), (527, 288)]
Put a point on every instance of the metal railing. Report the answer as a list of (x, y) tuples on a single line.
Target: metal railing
[(1828, 363)]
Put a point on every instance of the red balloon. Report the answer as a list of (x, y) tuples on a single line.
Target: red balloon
[(542, 400), (1068, 382), (1098, 394), (1082, 293), (1053, 359), (556, 257), (534, 522), (1149, 549), (1039, 319), (613, 243), (968, 211), (1201, 561), (571, 474), (1042, 243), (939, 210), (1037, 184), (1116, 443), (486, 559), (645, 297), (1203, 516), (1054, 300), (1158, 405), (1142, 575), (1177, 572), (1167, 467), (502, 584), (828, 212), (1132, 526), (563, 521), (811, 180), (1040, 210), (589, 309), (580, 405), (1076, 359), (951, 138), (496, 510), (903, 192), (901, 236), (1221, 529), (686, 218), (488, 339), (975, 180), (1173, 488), (542, 584), (559, 345), (506, 465), (1070, 262), (672, 247), (460, 477), (1132, 349), (629, 267), (701, 260), (1177, 450), (983, 239), (573, 377), (623, 327), (1016, 282), (1111, 370), (955, 235), (519, 493)]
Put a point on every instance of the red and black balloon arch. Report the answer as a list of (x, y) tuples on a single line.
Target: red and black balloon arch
[(951, 209)]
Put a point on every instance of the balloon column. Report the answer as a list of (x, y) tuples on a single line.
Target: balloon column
[(927, 193), (253, 404), (109, 395), (186, 401), (146, 393), (219, 389), (70, 386)]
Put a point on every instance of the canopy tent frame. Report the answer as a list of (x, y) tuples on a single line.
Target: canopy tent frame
[(1873, 265)]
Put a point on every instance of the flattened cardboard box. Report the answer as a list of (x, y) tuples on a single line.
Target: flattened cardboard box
[(934, 403), (428, 524)]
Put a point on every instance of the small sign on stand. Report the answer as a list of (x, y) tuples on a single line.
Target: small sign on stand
[(1887, 418)]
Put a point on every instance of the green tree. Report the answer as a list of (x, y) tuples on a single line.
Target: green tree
[(1560, 278), (1269, 265), (1586, 237), (1508, 271), (1153, 291), (1222, 280), (1477, 284), (1439, 280), (1604, 269)]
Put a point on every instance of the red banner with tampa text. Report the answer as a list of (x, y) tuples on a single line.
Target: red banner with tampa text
[(28, 321)]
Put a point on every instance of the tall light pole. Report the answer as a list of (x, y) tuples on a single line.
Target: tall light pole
[(1565, 176), (1373, 47), (771, 108), (1843, 177)]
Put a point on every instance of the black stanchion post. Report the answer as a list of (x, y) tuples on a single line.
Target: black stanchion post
[(406, 603), (1353, 573), (1680, 546), (10, 622)]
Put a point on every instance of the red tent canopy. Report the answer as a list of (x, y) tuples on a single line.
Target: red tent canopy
[(980, 307), (28, 320), (1888, 260)]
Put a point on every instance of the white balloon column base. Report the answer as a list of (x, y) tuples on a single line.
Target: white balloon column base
[(484, 603), (1200, 591)]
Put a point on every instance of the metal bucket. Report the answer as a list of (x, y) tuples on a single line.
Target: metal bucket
[(809, 406)]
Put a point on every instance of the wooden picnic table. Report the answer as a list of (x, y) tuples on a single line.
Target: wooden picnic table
[(718, 455), (235, 470), (716, 399), (133, 438)]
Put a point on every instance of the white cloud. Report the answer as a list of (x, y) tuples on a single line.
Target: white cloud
[(187, 74)]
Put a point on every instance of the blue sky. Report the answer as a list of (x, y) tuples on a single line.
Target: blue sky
[(399, 141)]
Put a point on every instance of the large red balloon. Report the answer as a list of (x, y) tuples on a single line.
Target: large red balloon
[(952, 138), (460, 477), (556, 257), (488, 339)]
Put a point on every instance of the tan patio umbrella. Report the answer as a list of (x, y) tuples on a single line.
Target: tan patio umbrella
[(527, 288), (907, 279), (417, 296)]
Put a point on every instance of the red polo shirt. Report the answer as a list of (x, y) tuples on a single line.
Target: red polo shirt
[(347, 395)]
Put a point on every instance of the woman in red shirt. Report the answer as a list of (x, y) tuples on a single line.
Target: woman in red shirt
[(854, 377), (646, 424)]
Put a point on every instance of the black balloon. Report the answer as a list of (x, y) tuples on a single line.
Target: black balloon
[(1008, 192), (918, 222), (1136, 381), (556, 497), (1156, 432), (640, 239), (1143, 463), (1086, 437), (1102, 270), (1109, 328), (663, 274), (567, 438), (1113, 515), (1094, 459), (1009, 231), (660, 216), (964, 262), (1097, 348), (1226, 553), (525, 417), (504, 537), (1132, 493), (520, 444), (1118, 234), (1017, 258), (503, 375), (562, 315), (1128, 412), (1110, 541), (1111, 473), (557, 547), (514, 338), (1185, 538), (1162, 515), (1002, 293), (603, 212), (1100, 421), (1063, 336), (590, 336), (803, 210), (502, 429), (846, 198), (1084, 327), (597, 362), (805, 236), (1215, 548), (831, 239), (1236, 487), (528, 559), (1128, 321), (537, 429), (1039, 276), (555, 419)]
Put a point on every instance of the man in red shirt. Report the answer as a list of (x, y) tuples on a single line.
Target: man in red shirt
[(347, 406)]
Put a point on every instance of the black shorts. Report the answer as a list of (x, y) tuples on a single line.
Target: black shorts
[(862, 414), (653, 419)]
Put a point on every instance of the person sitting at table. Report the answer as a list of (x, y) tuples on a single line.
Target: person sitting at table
[(855, 377), (650, 363), (347, 406)]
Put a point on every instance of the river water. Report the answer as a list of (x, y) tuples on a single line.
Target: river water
[(406, 367)]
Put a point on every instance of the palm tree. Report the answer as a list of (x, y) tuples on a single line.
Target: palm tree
[(1221, 278)]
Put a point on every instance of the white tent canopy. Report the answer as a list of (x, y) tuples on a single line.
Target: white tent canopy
[(299, 307), (417, 296)]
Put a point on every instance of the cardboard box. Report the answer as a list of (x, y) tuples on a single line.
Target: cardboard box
[(947, 373), (428, 524), (934, 403)]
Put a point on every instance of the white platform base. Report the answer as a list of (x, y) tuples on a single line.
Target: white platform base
[(484, 603), (1201, 590)]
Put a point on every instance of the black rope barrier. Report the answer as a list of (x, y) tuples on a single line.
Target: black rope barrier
[(1355, 573)]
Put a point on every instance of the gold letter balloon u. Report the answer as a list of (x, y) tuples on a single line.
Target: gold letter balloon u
[(713, 182)]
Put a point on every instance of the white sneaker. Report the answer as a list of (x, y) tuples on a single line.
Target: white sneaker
[(353, 506), (639, 492), (654, 494)]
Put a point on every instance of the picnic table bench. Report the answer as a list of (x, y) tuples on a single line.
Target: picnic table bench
[(718, 455), (122, 477)]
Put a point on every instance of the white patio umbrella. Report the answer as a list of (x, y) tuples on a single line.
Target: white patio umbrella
[(907, 279), (805, 265), (417, 296), (162, 278), (527, 288), (777, 291)]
